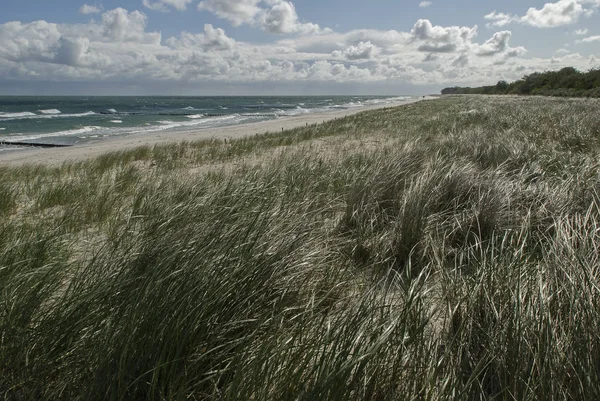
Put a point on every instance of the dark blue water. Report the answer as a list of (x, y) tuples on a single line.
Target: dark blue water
[(77, 119)]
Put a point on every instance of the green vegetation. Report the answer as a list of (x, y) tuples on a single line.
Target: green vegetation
[(567, 82), (444, 250)]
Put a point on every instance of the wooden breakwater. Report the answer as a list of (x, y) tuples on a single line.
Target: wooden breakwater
[(33, 144)]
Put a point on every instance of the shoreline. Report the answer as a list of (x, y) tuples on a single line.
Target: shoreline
[(57, 156)]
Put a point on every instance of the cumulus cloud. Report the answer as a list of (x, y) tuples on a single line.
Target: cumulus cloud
[(119, 47), (71, 51), (460, 61), (362, 51), (498, 43), (430, 57), (516, 52), (551, 15), (499, 19), (580, 32), (88, 9), (34, 41), (163, 5), (425, 4), (212, 39), (281, 18), (563, 12), (589, 39), (438, 39), (123, 26), (273, 16), (237, 12)]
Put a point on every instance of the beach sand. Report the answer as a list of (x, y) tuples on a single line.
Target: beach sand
[(57, 156)]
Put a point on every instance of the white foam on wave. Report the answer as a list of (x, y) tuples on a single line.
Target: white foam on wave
[(111, 110), (71, 132), (116, 121), (189, 108), (2, 128), (50, 111), (26, 115), (195, 116), (297, 111), (12, 116), (366, 102), (200, 123)]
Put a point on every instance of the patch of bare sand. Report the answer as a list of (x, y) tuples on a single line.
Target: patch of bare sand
[(57, 156)]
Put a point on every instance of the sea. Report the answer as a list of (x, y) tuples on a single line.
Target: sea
[(70, 120)]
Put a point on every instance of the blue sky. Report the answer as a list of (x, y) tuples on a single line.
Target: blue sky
[(282, 47)]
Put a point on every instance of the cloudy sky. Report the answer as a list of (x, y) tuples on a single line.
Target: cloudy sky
[(252, 47)]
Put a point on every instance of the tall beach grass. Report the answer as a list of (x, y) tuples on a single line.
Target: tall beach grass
[(442, 250)]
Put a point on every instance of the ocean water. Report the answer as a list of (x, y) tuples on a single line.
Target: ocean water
[(68, 120)]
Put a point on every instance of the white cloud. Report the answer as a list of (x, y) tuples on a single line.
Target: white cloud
[(580, 32), (461, 61), (362, 51), (118, 47), (589, 39), (425, 4), (273, 16), (237, 12), (438, 39), (281, 18), (211, 39), (163, 5), (29, 42), (88, 9), (156, 6), (516, 52), (496, 44), (71, 51), (123, 26), (499, 19), (551, 15), (563, 12)]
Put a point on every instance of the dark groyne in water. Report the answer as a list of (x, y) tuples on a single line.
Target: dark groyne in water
[(34, 144)]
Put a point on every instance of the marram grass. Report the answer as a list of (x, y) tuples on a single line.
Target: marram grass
[(442, 250)]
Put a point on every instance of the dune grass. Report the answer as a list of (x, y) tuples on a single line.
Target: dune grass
[(443, 250)]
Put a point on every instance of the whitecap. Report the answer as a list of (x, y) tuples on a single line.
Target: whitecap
[(195, 116), (116, 121), (13, 116), (77, 131), (32, 116), (111, 110), (297, 111), (50, 111)]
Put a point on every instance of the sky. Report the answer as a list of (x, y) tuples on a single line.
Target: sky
[(279, 47)]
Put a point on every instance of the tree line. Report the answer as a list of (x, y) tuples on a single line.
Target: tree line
[(567, 82)]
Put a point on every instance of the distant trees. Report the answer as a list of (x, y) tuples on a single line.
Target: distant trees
[(565, 82)]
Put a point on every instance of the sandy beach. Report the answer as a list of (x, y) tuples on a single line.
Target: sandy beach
[(56, 156)]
